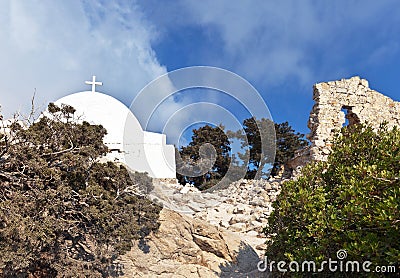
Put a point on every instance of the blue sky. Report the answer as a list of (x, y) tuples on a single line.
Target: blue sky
[(281, 47)]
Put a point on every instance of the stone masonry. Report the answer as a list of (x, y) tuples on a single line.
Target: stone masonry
[(350, 99)]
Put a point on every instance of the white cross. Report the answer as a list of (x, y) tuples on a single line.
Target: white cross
[(94, 83)]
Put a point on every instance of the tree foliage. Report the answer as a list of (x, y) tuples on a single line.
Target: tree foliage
[(208, 144), (259, 152), (258, 142), (351, 202), (287, 141), (62, 213)]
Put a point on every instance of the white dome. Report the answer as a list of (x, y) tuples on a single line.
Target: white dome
[(101, 109), (127, 142)]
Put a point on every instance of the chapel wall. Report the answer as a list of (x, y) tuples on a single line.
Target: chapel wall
[(362, 104)]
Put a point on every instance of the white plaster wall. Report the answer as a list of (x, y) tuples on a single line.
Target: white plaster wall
[(162, 162), (170, 170)]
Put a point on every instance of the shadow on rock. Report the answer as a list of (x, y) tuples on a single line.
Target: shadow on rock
[(142, 245), (245, 264)]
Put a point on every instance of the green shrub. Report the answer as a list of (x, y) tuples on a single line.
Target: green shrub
[(350, 202)]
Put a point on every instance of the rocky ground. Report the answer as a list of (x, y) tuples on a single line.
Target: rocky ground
[(242, 208), (186, 247), (216, 234)]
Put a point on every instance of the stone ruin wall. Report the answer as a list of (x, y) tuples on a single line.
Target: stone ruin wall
[(362, 104)]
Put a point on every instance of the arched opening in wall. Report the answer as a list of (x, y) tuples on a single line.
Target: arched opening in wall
[(351, 118)]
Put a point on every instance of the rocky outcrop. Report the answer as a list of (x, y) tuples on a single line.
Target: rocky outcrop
[(219, 235), (187, 247), (242, 208)]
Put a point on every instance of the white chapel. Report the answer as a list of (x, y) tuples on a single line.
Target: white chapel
[(140, 150)]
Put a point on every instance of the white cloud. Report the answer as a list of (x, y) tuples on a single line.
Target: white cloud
[(271, 41), (384, 52), (54, 46), (266, 40)]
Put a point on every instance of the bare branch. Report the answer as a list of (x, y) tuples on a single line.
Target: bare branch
[(386, 180), (32, 113), (8, 177), (60, 152)]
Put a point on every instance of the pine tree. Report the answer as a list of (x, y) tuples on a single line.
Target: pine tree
[(215, 146), (285, 140)]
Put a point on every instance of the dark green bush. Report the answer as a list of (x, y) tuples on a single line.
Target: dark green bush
[(350, 202)]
